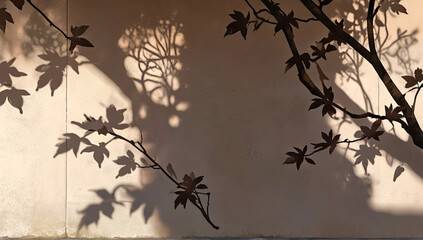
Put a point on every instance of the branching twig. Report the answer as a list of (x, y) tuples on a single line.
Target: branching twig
[(156, 165)]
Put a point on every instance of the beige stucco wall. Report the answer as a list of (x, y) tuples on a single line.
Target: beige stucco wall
[(232, 117)]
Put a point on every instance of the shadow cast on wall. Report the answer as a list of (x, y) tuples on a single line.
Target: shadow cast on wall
[(215, 105)]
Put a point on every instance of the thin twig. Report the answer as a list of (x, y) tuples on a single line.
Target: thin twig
[(48, 19)]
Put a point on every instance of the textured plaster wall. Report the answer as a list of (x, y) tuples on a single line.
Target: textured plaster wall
[(231, 116)]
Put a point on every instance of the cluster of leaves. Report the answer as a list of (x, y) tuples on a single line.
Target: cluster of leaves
[(337, 34), (331, 141), (52, 72), (72, 141), (189, 187)]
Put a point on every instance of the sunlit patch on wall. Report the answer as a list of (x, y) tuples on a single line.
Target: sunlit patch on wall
[(153, 62)]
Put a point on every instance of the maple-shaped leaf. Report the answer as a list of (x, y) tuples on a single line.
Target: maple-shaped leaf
[(90, 215), (169, 168), (99, 151), (298, 157), (413, 80), (303, 58), (335, 35), (4, 16), (18, 3), (14, 96), (115, 117), (239, 25), (365, 155), (326, 102), (53, 71), (190, 183), (320, 50), (7, 71), (393, 114), (372, 132), (128, 163), (330, 141), (54, 76), (70, 141), (76, 40), (396, 7), (292, 20)]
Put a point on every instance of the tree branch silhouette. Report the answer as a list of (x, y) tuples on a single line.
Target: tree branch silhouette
[(286, 22)]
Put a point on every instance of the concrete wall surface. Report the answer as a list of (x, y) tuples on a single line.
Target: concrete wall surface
[(222, 108)]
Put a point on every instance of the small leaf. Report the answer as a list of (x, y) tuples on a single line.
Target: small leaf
[(202, 186), (4, 16), (239, 25), (169, 168), (398, 171), (78, 31), (18, 3), (322, 75)]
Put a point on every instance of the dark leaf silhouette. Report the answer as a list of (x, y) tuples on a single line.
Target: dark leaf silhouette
[(53, 71), (292, 20), (115, 117), (398, 171), (393, 114), (7, 70), (365, 155), (91, 214), (239, 25), (71, 142), (128, 163), (190, 183), (78, 41), (139, 198), (320, 50), (413, 80), (304, 58), (326, 102), (334, 35), (322, 75), (169, 168), (298, 157), (78, 31), (14, 96), (18, 3), (396, 7), (4, 16), (90, 123), (372, 132), (54, 76), (330, 141), (99, 151)]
